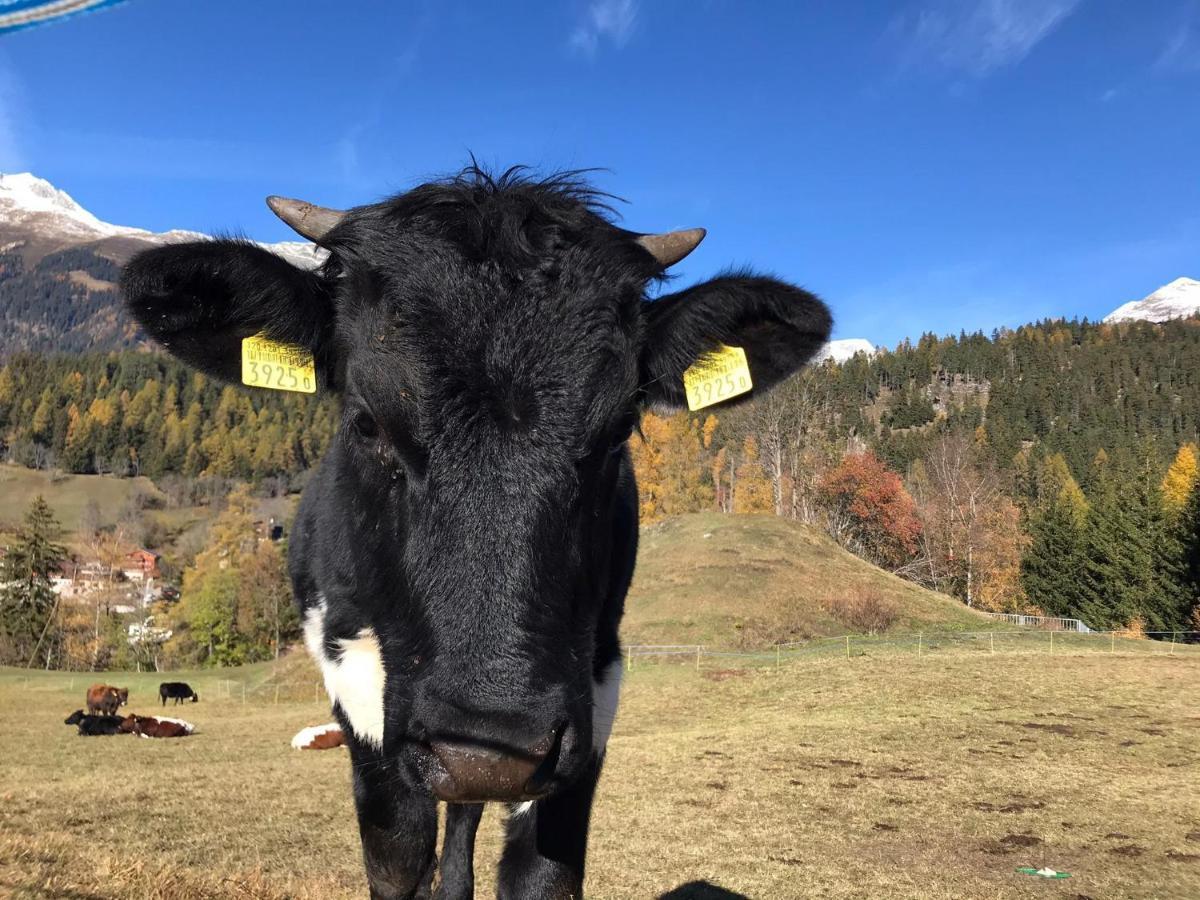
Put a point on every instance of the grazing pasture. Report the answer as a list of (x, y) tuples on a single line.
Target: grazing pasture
[(887, 777)]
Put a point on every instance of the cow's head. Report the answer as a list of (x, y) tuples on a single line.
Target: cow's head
[(122, 696), (74, 718), (493, 346)]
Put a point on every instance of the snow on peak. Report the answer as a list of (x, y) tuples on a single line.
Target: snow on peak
[(847, 348), (32, 202), (1171, 301), (25, 198)]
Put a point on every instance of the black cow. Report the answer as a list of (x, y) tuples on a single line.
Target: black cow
[(461, 556), (178, 691), (92, 726)]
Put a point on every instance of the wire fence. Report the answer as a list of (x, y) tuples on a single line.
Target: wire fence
[(218, 687), (921, 644)]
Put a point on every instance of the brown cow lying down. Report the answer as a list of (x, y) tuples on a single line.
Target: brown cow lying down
[(156, 726), (104, 698), (319, 737)]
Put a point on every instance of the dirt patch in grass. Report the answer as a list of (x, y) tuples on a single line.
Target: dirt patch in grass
[(1016, 806), (1178, 856), (1021, 840), (1053, 728), (724, 674), (1128, 850)]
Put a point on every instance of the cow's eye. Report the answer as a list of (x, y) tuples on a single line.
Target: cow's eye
[(364, 425)]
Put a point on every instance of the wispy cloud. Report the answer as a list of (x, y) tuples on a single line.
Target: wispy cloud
[(604, 20), (1181, 52), (976, 37)]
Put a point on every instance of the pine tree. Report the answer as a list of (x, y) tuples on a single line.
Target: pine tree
[(1050, 567), (1187, 570), (27, 601)]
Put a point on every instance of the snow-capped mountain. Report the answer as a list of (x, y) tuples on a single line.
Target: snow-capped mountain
[(1171, 301), (33, 206), (842, 350)]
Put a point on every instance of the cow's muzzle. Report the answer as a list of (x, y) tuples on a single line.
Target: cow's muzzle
[(473, 772)]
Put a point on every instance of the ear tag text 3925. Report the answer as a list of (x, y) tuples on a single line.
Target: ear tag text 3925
[(277, 367), (716, 377)]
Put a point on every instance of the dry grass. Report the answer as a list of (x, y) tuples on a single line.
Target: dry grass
[(752, 581), (874, 777)]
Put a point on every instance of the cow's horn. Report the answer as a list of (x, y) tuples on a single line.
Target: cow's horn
[(312, 222), (671, 247)]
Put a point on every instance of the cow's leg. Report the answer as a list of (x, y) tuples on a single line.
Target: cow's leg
[(458, 852), (397, 825), (546, 843)]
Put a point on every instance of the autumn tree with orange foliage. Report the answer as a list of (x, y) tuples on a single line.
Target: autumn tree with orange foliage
[(869, 511), (670, 463)]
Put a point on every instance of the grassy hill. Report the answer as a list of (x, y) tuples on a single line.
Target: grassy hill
[(69, 495), (751, 581)]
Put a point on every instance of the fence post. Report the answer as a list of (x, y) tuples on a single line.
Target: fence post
[(777, 654), (243, 692), (847, 646), (1051, 640), (992, 640), (1112, 647), (920, 641), (628, 659), (698, 649), (1172, 641)]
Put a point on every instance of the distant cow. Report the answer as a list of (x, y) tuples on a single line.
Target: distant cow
[(104, 698), (178, 691), (156, 726), (319, 737), (91, 726)]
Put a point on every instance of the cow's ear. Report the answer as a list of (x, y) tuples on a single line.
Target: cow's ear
[(199, 300), (779, 326)]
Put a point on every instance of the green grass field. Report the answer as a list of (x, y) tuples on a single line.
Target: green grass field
[(884, 776), (68, 495)]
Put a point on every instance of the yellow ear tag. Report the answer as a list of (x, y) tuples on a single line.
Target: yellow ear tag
[(717, 377), (278, 367)]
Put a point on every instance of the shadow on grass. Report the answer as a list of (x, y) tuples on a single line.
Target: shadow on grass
[(701, 890)]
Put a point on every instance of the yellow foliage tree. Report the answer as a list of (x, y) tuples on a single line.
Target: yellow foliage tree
[(670, 467), (752, 491), (1180, 480)]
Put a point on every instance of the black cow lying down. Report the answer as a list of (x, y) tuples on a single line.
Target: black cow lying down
[(461, 556), (94, 725)]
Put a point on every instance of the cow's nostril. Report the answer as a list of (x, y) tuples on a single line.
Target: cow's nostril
[(540, 780)]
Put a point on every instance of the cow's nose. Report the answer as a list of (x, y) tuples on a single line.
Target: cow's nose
[(474, 772)]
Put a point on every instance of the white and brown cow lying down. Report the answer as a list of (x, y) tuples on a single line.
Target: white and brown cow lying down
[(319, 737), (156, 726)]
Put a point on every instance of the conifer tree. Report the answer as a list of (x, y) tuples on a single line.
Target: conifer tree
[(27, 602)]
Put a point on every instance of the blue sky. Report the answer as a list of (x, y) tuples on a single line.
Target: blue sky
[(925, 165)]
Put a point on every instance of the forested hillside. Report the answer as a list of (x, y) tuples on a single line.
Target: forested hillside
[(64, 303), (137, 413), (1025, 470)]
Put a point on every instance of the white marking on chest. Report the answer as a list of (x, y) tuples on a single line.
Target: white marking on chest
[(355, 680), (606, 695)]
